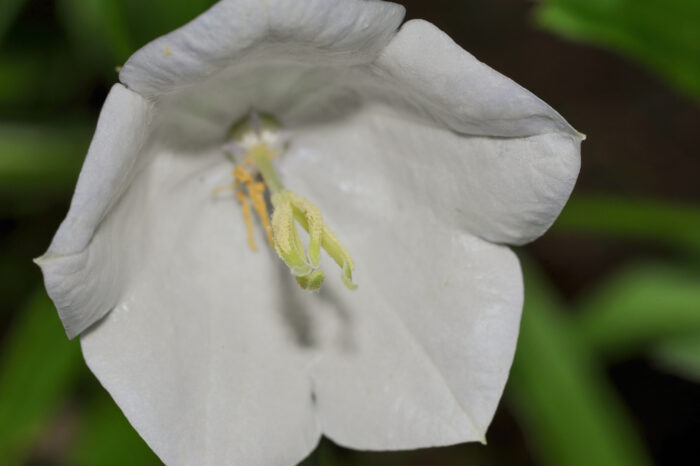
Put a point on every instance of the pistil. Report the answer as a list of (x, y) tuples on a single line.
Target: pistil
[(258, 140)]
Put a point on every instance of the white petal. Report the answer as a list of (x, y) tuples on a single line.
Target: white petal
[(433, 127), (84, 277), (234, 32), (419, 355), (434, 73), (505, 190), (198, 353)]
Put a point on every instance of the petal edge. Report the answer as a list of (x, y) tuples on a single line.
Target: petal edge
[(112, 159), (462, 92), (347, 31)]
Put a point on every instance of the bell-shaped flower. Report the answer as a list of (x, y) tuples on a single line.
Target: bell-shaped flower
[(411, 165)]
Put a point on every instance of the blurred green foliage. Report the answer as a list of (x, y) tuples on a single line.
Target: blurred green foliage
[(673, 225), (106, 438), (106, 32), (9, 9), (33, 78), (662, 34), (681, 356), (41, 158), (639, 306), (37, 369), (556, 381), (559, 391)]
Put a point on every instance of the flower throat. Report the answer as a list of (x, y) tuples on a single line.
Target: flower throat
[(257, 140)]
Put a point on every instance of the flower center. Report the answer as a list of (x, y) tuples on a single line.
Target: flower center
[(255, 141)]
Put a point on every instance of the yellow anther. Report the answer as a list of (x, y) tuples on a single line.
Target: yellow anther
[(243, 199), (220, 190), (256, 191), (256, 197), (242, 175)]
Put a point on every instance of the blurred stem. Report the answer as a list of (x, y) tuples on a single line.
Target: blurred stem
[(567, 408), (675, 225)]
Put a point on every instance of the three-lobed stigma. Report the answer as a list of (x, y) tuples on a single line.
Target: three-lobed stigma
[(256, 140)]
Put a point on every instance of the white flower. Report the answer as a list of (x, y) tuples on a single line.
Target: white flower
[(422, 160)]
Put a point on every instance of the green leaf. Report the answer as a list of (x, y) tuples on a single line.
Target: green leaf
[(680, 356), (9, 10), (663, 35), (569, 411), (638, 306), (672, 224), (106, 438), (37, 370), (41, 158)]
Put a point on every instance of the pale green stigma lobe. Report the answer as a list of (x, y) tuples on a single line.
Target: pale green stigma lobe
[(312, 281), (286, 240), (290, 209)]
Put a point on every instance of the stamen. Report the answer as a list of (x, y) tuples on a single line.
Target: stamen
[(256, 192), (243, 199), (242, 175), (221, 189)]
